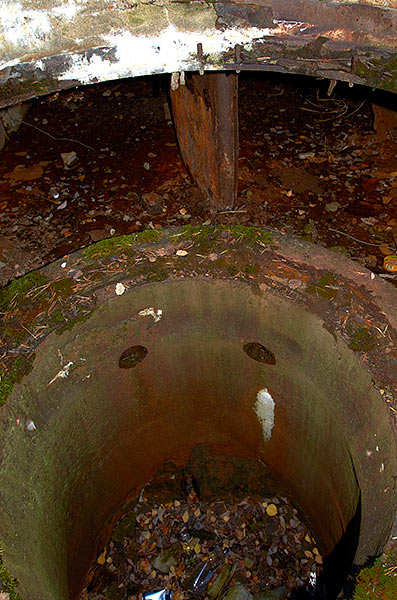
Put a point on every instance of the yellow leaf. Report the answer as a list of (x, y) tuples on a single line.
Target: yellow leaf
[(101, 559), (197, 548), (271, 510), (185, 517)]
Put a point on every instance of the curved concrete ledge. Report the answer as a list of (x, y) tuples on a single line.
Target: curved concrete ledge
[(148, 357), (48, 45)]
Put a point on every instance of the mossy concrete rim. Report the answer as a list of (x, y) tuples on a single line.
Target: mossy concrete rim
[(269, 260)]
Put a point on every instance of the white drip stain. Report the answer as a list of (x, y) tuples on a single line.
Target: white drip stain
[(264, 408)]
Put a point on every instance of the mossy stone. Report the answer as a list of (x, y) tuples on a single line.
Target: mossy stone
[(124, 528)]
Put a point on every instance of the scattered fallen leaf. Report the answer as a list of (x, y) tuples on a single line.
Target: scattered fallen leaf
[(101, 558), (332, 206), (22, 173), (271, 510)]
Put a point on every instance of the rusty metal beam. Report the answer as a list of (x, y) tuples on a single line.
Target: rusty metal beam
[(206, 122)]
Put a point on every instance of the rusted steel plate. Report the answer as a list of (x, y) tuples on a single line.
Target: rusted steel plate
[(206, 123)]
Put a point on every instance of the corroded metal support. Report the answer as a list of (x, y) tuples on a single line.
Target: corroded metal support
[(206, 122)]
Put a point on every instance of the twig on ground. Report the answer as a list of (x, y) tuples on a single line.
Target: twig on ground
[(29, 332), (361, 241), (58, 139), (229, 212)]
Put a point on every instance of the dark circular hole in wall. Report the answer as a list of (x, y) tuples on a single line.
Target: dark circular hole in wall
[(132, 356), (260, 353)]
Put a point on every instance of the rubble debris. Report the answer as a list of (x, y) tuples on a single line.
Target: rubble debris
[(229, 549)]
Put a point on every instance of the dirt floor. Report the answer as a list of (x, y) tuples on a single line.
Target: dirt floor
[(310, 165)]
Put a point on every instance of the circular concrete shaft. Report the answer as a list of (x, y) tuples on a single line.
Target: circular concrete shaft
[(249, 360)]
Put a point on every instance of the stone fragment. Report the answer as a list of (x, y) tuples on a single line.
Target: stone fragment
[(276, 594), (11, 119), (238, 592), (153, 203), (167, 558), (69, 159)]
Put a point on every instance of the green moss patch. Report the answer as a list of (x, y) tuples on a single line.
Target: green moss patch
[(20, 367), (381, 72), (326, 287), (362, 340), (238, 232), (8, 583), (375, 584), (19, 288), (121, 243)]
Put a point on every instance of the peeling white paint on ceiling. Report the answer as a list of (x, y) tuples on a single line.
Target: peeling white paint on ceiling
[(169, 51), (68, 9), (23, 27)]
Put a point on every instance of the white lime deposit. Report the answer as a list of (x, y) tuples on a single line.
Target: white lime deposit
[(264, 408)]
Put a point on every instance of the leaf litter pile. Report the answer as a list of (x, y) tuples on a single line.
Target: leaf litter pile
[(236, 549)]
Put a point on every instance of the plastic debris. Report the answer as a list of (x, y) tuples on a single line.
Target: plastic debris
[(29, 425), (390, 263), (200, 577), (160, 595)]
